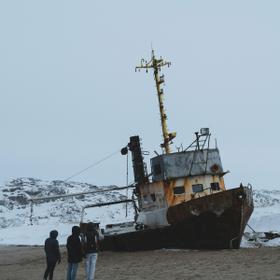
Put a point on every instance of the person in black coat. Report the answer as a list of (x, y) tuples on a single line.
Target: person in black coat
[(75, 253), (52, 254)]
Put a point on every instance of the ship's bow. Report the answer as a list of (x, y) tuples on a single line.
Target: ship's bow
[(214, 221)]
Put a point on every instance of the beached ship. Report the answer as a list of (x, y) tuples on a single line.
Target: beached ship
[(183, 201)]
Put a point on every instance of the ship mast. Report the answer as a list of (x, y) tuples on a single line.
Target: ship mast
[(156, 65)]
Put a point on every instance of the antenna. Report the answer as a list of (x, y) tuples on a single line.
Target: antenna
[(156, 65)]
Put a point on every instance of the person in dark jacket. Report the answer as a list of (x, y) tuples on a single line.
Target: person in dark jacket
[(52, 254), (91, 240), (75, 253)]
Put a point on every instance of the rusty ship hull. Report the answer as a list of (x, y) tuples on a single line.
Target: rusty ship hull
[(210, 222)]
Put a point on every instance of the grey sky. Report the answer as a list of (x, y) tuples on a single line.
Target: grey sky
[(70, 96)]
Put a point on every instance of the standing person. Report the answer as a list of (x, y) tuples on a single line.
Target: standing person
[(75, 253), (52, 254), (91, 240)]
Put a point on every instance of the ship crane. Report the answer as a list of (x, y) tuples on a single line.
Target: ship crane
[(156, 65)]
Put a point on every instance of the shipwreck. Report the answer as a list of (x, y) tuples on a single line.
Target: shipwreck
[(182, 202)]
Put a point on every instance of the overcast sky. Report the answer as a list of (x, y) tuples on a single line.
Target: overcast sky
[(70, 96)]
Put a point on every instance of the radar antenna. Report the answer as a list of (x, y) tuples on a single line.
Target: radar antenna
[(156, 65)]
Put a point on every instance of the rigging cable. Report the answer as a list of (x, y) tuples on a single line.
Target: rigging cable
[(92, 165), (74, 175)]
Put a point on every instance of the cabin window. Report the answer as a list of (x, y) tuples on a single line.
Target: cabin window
[(215, 186), (157, 169), (145, 199), (179, 190), (197, 188), (153, 197)]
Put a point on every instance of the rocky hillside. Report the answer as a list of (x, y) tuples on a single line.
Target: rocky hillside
[(15, 210), (266, 215), (15, 207), (266, 198)]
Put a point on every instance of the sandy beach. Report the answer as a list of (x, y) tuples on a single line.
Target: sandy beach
[(262, 263)]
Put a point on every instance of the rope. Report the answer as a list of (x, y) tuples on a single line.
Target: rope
[(251, 228), (74, 175), (92, 165)]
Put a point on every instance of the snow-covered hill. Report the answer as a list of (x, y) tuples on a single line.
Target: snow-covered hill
[(62, 214), (266, 215)]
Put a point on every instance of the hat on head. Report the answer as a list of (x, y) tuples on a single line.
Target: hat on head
[(54, 234), (76, 230)]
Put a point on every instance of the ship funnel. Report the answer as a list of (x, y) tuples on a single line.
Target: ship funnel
[(139, 167)]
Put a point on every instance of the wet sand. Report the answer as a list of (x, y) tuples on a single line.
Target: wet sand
[(262, 263)]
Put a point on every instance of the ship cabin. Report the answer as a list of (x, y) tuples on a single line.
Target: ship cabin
[(184, 175)]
